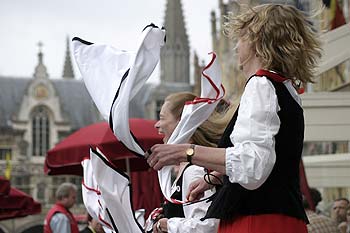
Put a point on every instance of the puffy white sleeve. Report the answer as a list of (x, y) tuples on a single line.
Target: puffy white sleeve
[(194, 212), (250, 161)]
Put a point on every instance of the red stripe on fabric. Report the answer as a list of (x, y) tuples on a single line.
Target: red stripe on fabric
[(106, 223), (91, 189), (208, 100), (209, 79), (275, 76), (177, 201)]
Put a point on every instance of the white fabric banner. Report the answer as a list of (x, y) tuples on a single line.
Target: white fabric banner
[(193, 115), (107, 195), (113, 77)]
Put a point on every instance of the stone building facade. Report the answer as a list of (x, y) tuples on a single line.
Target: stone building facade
[(38, 112)]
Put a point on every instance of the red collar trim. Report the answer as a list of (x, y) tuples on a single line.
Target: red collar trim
[(275, 76)]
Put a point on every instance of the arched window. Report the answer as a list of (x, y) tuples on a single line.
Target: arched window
[(40, 131)]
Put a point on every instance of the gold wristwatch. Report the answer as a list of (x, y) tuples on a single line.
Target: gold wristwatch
[(190, 153)]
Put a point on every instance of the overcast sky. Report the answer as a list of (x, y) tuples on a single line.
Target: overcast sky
[(115, 22)]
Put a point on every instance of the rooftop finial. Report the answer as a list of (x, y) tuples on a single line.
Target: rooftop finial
[(40, 69), (40, 54)]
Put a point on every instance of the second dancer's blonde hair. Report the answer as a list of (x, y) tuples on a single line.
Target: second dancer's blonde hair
[(210, 131)]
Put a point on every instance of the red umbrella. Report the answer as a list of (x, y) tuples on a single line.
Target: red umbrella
[(66, 156), (16, 203)]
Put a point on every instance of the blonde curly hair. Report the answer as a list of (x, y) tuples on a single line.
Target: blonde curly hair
[(281, 36)]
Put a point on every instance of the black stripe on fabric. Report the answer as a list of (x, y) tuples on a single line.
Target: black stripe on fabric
[(132, 208), (82, 41), (150, 25), (111, 118), (115, 98), (112, 221), (163, 28), (130, 186), (107, 163), (135, 139), (131, 151)]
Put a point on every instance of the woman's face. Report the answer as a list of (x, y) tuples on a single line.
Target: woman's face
[(167, 122)]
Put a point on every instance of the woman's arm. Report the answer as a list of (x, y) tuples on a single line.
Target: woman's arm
[(193, 212), (173, 154), (198, 187), (253, 156)]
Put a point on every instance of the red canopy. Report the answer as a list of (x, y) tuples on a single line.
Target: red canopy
[(15, 203), (66, 156)]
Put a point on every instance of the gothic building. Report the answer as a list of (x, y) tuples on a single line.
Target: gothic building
[(174, 59), (38, 112), (35, 114)]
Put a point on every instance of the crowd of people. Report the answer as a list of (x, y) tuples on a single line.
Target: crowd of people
[(252, 162)]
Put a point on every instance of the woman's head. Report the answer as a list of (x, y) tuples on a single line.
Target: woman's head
[(207, 134), (280, 36), (171, 111)]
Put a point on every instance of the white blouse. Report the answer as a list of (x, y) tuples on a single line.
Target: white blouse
[(193, 212), (253, 156)]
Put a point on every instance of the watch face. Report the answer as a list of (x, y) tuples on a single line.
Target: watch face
[(189, 151)]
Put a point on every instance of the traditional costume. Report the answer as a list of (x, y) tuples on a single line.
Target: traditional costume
[(263, 142)]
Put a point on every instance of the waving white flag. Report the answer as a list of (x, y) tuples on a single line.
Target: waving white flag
[(113, 77), (193, 115)]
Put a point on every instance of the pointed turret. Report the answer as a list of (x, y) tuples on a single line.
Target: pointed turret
[(40, 69), (68, 67), (175, 55)]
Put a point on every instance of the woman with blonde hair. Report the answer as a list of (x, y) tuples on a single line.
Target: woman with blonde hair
[(261, 147), (177, 217)]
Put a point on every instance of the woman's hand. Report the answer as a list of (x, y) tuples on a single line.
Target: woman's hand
[(196, 189), (166, 154), (161, 226)]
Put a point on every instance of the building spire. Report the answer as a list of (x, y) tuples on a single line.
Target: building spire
[(40, 69), (175, 54), (68, 68)]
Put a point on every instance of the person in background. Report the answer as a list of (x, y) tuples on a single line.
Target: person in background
[(260, 150), (93, 226), (59, 219), (318, 223), (186, 218), (344, 227), (339, 212)]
